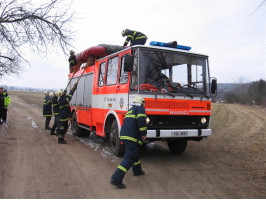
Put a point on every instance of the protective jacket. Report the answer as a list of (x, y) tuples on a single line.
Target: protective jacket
[(2, 101), (6, 100), (134, 125), (162, 81), (72, 61), (55, 105), (64, 106), (47, 107), (133, 35)]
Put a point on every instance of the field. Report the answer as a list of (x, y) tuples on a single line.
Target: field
[(230, 164)]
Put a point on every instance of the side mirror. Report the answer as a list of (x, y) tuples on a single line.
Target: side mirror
[(128, 64), (214, 86)]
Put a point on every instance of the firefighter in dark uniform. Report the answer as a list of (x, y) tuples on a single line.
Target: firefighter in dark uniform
[(134, 37), (64, 113), (2, 105), (72, 61), (133, 133), (55, 105), (161, 81), (47, 110)]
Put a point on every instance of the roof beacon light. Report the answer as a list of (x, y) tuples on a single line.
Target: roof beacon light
[(170, 44)]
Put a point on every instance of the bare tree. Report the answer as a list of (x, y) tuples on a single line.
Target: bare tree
[(25, 25), (241, 89)]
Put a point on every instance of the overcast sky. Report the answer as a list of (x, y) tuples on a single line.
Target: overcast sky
[(226, 30)]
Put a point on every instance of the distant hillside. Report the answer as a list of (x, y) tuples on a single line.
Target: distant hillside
[(26, 88), (244, 93), (227, 86)]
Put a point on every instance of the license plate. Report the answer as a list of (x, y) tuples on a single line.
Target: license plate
[(179, 133)]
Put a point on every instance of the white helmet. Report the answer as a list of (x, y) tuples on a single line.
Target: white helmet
[(123, 33), (51, 94), (46, 92), (58, 93), (139, 99)]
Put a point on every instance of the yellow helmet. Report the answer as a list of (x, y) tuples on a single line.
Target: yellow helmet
[(139, 99), (46, 92), (71, 51), (58, 93)]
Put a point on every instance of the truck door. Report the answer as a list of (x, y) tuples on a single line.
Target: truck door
[(111, 86), (122, 87), (98, 107)]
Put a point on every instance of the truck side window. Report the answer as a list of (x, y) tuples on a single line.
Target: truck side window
[(123, 78), (112, 69), (134, 73), (101, 74)]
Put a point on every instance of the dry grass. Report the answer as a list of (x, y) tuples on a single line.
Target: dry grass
[(29, 97)]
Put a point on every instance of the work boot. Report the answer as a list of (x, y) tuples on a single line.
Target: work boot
[(139, 174), (52, 133), (119, 185), (61, 141), (47, 128)]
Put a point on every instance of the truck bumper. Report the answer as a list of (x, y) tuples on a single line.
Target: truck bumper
[(182, 133)]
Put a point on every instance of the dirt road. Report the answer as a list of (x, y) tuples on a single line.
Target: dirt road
[(231, 164)]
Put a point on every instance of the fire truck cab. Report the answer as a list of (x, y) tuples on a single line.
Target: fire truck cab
[(175, 84)]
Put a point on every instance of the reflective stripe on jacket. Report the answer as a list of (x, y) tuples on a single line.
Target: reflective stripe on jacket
[(55, 105), (134, 125), (7, 100), (47, 107), (64, 106), (133, 35)]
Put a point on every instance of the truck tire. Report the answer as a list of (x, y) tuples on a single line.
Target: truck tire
[(76, 130), (177, 146), (116, 146)]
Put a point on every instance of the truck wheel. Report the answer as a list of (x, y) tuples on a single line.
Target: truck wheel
[(177, 146), (76, 130), (117, 148)]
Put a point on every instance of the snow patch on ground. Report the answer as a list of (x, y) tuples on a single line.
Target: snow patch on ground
[(95, 142), (33, 123)]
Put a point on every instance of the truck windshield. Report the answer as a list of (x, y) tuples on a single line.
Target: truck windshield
[(171, 72)]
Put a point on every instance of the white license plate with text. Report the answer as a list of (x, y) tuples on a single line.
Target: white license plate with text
[(179, 133)]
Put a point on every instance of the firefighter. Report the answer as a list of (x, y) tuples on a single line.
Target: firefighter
[(133, 133), (72, 61), (55, 105), (64, 113), (4, 102), (134, 37), (47, 110), (4, 108), (160, 81)]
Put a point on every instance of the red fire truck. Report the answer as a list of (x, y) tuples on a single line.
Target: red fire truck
[(175, 84)]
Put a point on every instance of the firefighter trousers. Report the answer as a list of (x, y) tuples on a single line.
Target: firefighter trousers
[(131, 159), (47, 121), (56, 123), (62, 129), (2, 115), (141, 41)]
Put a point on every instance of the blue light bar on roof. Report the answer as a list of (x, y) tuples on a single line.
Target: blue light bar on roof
[(163, 44)]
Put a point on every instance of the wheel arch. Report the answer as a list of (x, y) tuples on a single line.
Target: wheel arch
[(110, 116)]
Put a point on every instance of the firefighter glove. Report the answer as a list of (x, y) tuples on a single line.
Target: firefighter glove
[(75, 87)]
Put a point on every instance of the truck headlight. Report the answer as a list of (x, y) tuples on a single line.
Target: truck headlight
[(203, 120), (148, 120)]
